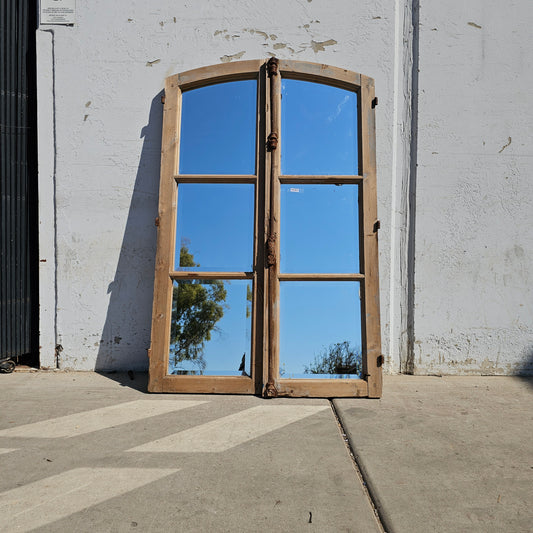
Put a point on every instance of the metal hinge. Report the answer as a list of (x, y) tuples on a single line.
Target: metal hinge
[(272, 141), (272, 66), (271, 250), (270, 390)]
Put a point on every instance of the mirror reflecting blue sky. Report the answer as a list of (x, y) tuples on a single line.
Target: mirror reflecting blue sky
[(215, 223), (218, 129), (226, 307), (319, 228), (320, 321), (320, 329), (318, 129)]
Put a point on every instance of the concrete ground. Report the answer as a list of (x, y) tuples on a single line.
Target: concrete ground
[(88, 452)]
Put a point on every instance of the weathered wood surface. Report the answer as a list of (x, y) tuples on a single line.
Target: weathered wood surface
[(323, 388), (266, 276), (162, 305), (372, 366)]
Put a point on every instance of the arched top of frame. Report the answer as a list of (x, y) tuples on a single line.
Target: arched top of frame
[(239, 70)]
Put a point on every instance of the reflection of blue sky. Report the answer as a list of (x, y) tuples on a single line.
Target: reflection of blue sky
[(318, 129), (319, 223), (216, 222), (231, 339), (319, 228), (314, 315), (218, 129)]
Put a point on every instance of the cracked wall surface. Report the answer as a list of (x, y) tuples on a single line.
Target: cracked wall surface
[(454, 187)]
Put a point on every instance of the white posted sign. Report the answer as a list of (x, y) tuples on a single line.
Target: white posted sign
[(58, 11)]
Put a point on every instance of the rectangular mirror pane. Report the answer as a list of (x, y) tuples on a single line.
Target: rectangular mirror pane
[(210, 328), (319, 227), (319, 133), (320, 330), (218, 129), (214, 227)]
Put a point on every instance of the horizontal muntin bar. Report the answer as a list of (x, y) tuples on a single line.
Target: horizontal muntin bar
[(320, 277), (178, 274), (321, 179), (215, 178)]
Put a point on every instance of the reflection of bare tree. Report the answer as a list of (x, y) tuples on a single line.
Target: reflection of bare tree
[(340, 358), (197, 305)]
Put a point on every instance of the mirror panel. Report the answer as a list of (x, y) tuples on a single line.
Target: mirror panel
[(319, 133), (214, 227), (218, 129), (320, 329), (319, 228), (210, 328)]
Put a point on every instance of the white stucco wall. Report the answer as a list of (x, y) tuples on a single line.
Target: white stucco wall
[(474, 189), (107, 72)]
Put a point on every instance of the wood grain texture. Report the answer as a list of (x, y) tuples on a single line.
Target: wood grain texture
[(317, 72), (321, 277), (335, 180), (162, 305), (238, 70), (266, 276), (214, 178), (177, 275), (371, 317), (323, 388), (274, 232), (208, 384)]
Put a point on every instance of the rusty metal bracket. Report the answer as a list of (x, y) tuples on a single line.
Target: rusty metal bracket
[(272, 66), (156, 221), (271, 250), (163, 98), (270, 390), (272, 141)]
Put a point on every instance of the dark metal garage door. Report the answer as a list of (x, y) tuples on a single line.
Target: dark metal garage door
[(18, 183)]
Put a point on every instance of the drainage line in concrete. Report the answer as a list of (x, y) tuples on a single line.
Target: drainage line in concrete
[(382, 519)]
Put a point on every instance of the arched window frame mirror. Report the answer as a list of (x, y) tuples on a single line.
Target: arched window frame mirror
[(263, 376)]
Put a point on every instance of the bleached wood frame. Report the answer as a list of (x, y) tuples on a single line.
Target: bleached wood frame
[(265, 377)]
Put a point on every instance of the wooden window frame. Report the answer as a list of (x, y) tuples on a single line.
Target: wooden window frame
[(267, 180)]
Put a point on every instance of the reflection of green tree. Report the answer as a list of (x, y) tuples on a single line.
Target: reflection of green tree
[(197, 305), (248, 301), (339, 358)]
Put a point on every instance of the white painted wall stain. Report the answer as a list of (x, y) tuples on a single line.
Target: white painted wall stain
[(474, 242), (474, 232)]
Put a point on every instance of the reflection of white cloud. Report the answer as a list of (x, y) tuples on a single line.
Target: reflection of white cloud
[(333, 116)]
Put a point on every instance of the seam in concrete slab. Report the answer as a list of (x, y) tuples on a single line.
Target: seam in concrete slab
[(382, 517)]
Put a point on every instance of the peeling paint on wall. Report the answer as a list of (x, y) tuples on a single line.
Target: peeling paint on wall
[(227, 59), (321, 46), (473, 292)]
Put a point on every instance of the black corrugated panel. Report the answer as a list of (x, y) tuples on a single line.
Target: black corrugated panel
[(18, 180)]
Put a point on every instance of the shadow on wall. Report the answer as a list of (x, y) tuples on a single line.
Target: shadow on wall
[(525, 369), (126, 333)]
